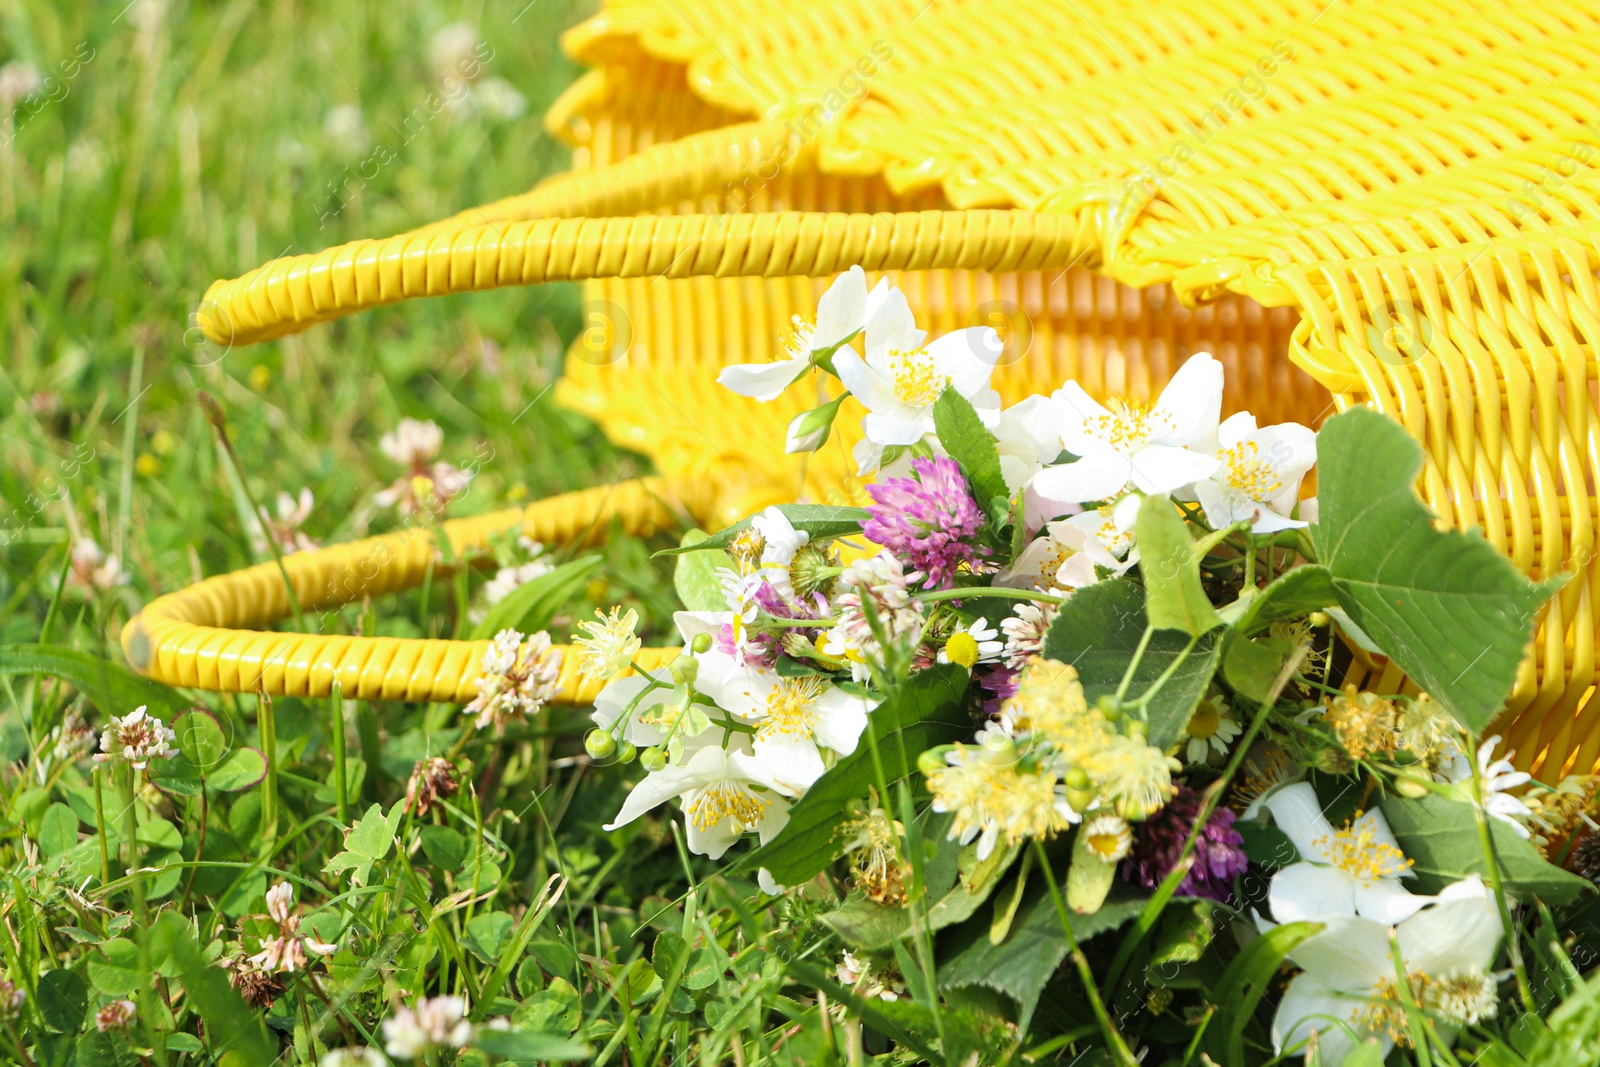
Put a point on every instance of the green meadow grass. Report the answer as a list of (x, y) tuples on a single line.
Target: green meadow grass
[(182, 143)]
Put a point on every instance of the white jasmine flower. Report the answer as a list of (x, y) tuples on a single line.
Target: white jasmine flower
[(611, 645), (435, 1022), (1210, 730), (725, 794), (1258, 479), (1498, 776), (901, 378), (1158, 448), (795, 718), (516, 679), (780, 542), (138, 737), (841, 314), (1027, 436), (1349, 993), (1352, 871)]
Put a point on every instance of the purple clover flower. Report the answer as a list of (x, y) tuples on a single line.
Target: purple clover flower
[(1158, 842), (929, 521)]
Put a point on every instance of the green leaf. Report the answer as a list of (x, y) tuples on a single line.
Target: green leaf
[(1174, 599), (1097, 631), (1251, 664), (865, 925), (1243, 983), (243, 768), (445, 848), (818, 520), (1447, 606), (114, 690), (63, 1000), (118, 974), (487, 934), (1020, 965), (970, 444), (1440, 835), (530, 606), (200, 739), (924, 712), (1293, 595), (367, 842), (529, 1046), (59, 830), (695, 576)]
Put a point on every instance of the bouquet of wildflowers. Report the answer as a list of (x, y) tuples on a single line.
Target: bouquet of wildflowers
[(1079, 710)]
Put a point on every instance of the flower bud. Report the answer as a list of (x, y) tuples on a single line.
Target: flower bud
[(999, 750), (700, 643), (809, 430), (1077, 778), (1319, 619), (1410, 787), (599, 744), (1137, 730), (932, 761), (1110, 707), (626, 752), (685, 669), (652, 759), (1080, 799)]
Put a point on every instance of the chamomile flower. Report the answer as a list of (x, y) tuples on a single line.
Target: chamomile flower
[(1108, 837), (1498, 777), (1210, 730), (972, 643)]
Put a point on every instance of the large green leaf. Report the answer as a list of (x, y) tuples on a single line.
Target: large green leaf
[(924, 712), (1447, 606), (1021, 964), (1440, 835), (695, 577), (1174, 598), (114, 689), (818, 520), (1097, 631), (966, 440), (530, 606)]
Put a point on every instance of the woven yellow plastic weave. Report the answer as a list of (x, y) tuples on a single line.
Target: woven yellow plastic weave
[(1394, 204)]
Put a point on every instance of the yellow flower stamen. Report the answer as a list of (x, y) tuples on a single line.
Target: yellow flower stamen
[(1358, 853), (1246, 472), (961, 648), (917, 382), (726, 800), (791, 711)]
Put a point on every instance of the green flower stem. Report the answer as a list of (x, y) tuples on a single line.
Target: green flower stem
[(1133, 664), (978, 592), (267, 727), (1496, 882), (336, 735), (1143, 702), (1118, 1047), (130, 830), (1414, 1023), (100, 825)]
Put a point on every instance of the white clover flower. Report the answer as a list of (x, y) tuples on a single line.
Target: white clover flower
[(115, 1015), (1025, 631), (1348, 990), (841, 314), (725, 794), (517, 679), (882, 581), (284, 526), (901, 378), (428, 481), (1157, 448), (1259, 474), (287, 951), (435, 1022), (93, 570), (138, 737), (353, 1056)]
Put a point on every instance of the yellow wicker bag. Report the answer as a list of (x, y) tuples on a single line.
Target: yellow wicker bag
[(1394, 204)]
